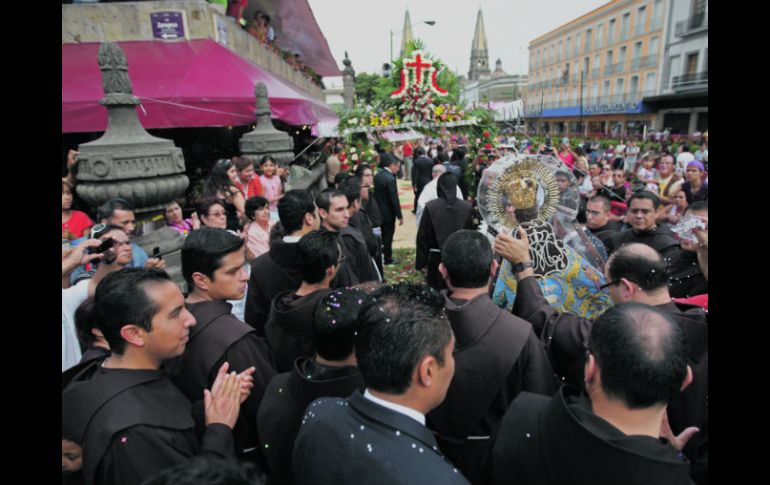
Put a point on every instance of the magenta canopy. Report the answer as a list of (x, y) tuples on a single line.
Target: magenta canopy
[(180, 84)]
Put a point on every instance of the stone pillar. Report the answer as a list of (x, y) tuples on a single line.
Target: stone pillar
[(348, 83), (130, 163), (265, 139)]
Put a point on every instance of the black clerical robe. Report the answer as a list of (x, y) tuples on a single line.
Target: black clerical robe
[(219, 337), (286, 398), (357, 441), (544, 441), (661, 239), (439, 221), (132, 424), (290, 327), (497, 356), (361, 262), (271, 273), (607, 232)]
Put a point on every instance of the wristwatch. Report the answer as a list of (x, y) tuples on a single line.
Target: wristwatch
[(519, 267)]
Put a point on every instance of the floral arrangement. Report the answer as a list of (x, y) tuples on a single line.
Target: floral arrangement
[(358, 152)]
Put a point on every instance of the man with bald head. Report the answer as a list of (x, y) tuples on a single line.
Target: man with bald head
[(635, 273), (635, 363)]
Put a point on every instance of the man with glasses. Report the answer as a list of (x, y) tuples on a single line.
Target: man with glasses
[(668, 179), (634, 272), (119, 212), (598, 220), (635, 363), (111, 259)]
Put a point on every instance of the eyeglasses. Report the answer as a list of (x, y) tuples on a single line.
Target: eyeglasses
[(607, 285)]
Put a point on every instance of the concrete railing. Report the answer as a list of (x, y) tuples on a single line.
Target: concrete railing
[(130, 21)]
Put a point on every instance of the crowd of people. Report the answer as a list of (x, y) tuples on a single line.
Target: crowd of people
[(330, 374)]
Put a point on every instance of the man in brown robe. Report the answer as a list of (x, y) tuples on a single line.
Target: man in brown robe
[(497, 355), (212, 264)]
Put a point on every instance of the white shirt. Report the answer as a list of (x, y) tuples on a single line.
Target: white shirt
[(416, 415), (71, 298), (682, 160), (429, 193), (291, 239)]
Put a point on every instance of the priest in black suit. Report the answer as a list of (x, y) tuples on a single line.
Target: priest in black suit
[(404, 352), (129, 419), (386, 196)]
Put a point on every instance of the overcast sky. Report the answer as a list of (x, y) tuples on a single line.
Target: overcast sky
[(362, 27)]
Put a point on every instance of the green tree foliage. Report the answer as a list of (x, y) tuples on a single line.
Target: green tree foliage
[(366, 88)]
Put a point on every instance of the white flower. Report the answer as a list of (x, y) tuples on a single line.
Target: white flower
[(354, 157), (353, 150), (352, 121)]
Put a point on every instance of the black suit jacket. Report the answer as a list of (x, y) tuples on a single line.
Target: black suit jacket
[(357, 441), (386, 195), (421, 172)]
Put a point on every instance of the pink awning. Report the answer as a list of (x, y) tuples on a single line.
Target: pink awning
[(180, 84)]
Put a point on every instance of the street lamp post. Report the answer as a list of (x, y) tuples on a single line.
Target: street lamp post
[(428, 22)]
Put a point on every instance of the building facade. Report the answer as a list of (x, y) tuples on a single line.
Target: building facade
[(590, 76), (681, 101)]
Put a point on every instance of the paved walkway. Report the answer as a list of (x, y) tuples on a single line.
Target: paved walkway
[(406, 235)]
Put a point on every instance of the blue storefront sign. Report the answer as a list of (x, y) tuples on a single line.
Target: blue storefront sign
[(167, 25)]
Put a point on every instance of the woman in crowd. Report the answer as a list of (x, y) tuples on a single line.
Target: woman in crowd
[(221, 184), (211, 212), (74, 224), (257, 230), (175, 219), (672, 213)]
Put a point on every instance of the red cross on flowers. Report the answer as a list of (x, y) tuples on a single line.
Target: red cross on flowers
[(418, 65)]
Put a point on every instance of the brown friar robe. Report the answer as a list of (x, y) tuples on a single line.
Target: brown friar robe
[(219, 337), (497, 356)]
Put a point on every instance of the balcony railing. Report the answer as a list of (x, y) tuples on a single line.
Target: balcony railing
[(613, 68), (692, 25), (648, 61), (690, 81)]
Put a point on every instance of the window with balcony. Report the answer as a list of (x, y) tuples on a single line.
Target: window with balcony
[(567, 52), (597, 62), (618, 96), (606, 92), (608, 63), (621, 58), (641, 15), (633, 88)]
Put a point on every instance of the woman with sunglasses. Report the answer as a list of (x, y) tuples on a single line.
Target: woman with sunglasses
[(221, 183)]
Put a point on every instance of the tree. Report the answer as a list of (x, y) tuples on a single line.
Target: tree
[(365, 88)]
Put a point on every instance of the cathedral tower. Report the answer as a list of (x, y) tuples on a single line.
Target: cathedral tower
[(479, 56)]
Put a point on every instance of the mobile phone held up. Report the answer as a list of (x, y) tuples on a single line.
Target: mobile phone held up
[(104, 246), (156, 253)]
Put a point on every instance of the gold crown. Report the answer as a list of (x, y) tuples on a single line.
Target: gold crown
[(522, 192)]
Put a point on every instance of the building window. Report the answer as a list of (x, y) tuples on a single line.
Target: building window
[(673, 69), (606, 91), (566, 47), (588, 40), (621, 58), (599, 34), (624, 26), (618, 98), (654, 46), (577, 43), (611, 32), (649, 84), (633, 88), (657, 15), (641, 13)]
